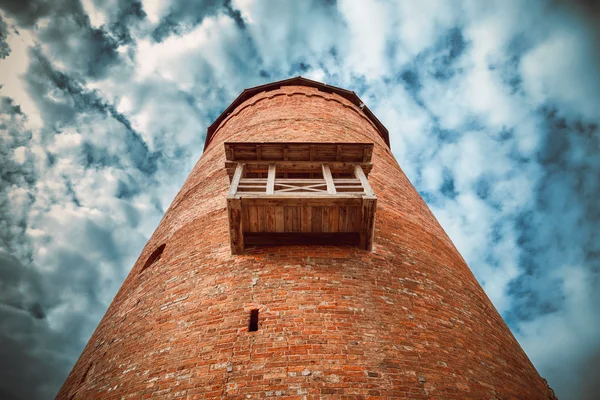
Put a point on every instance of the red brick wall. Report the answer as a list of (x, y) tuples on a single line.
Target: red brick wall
[(408, 320)]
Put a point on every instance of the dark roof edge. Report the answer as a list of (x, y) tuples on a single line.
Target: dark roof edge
[(297, 81)]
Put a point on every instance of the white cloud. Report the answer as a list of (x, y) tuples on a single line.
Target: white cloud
[(368, 23), (97, 17), (13, 70), (559, 70), (421, 23), (155, 9), (569, 335), (205, 47)]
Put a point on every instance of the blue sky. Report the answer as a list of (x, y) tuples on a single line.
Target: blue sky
[(493, 110)]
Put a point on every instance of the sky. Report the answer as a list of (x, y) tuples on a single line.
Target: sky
[(493, 109)]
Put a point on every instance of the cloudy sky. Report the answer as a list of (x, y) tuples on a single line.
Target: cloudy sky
[(493, 110)]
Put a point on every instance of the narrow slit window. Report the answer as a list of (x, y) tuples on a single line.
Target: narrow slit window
[(154, 257), (86, 373), (253, 327)]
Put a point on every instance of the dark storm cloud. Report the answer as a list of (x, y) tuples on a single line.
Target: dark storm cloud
[(30, 350), (129, 13), (185, 14), (4, 48), (591, 384), (89, 51), (61, 99), (28, 12), (17, 180), (558, 232), (562, 229)]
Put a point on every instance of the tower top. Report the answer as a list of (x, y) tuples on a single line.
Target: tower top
[(297, 81)]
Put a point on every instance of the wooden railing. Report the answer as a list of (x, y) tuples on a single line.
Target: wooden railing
[(303, 187), (282, 209)]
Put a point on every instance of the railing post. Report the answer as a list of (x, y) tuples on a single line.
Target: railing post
[(237, 176), (328, 179), (234, 211), (360, 175), (271, 179)]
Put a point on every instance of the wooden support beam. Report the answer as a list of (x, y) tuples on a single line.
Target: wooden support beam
[(303, 238), (367, 225), (239, 171), (285, 158), (366, 154), (271, 179), (312, 156), (328, 179), (360, 175), (293, 200), (236, 228), (298, 166)]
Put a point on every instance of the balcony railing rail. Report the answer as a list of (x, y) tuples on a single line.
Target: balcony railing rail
[(303, 187)]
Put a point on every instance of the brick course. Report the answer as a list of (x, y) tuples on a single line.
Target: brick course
[(408, 320)]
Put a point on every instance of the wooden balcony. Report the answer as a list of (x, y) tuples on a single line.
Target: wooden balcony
[(300, 193)]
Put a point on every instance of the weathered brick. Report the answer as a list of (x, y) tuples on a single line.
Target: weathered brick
[(408, 320)]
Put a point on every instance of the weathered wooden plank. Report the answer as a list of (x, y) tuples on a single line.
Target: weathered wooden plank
[(271, 179), (270, 224), (288, 222), (297, 151), (279, 219), (262, 218), (253, 214), (317, 219), (236, 235), (343, 219), (357, 219), (306, 219), (315, 200), (285, 158), (325, 222), (239, 171), (352, 217), (245, 216), (299, 238), (360, 175), (301, 196), (259, 188), (297, 216), (367, 230), (334, 219), (299, 166)]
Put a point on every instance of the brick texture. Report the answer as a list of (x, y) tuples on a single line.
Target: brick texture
[(408, 320)]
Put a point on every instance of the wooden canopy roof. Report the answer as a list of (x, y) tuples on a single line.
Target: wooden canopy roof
[(298, 156)]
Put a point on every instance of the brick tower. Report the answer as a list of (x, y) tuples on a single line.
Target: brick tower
[(298, 261)]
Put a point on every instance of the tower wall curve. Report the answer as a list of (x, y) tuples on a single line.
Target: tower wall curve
[(408, 320)]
